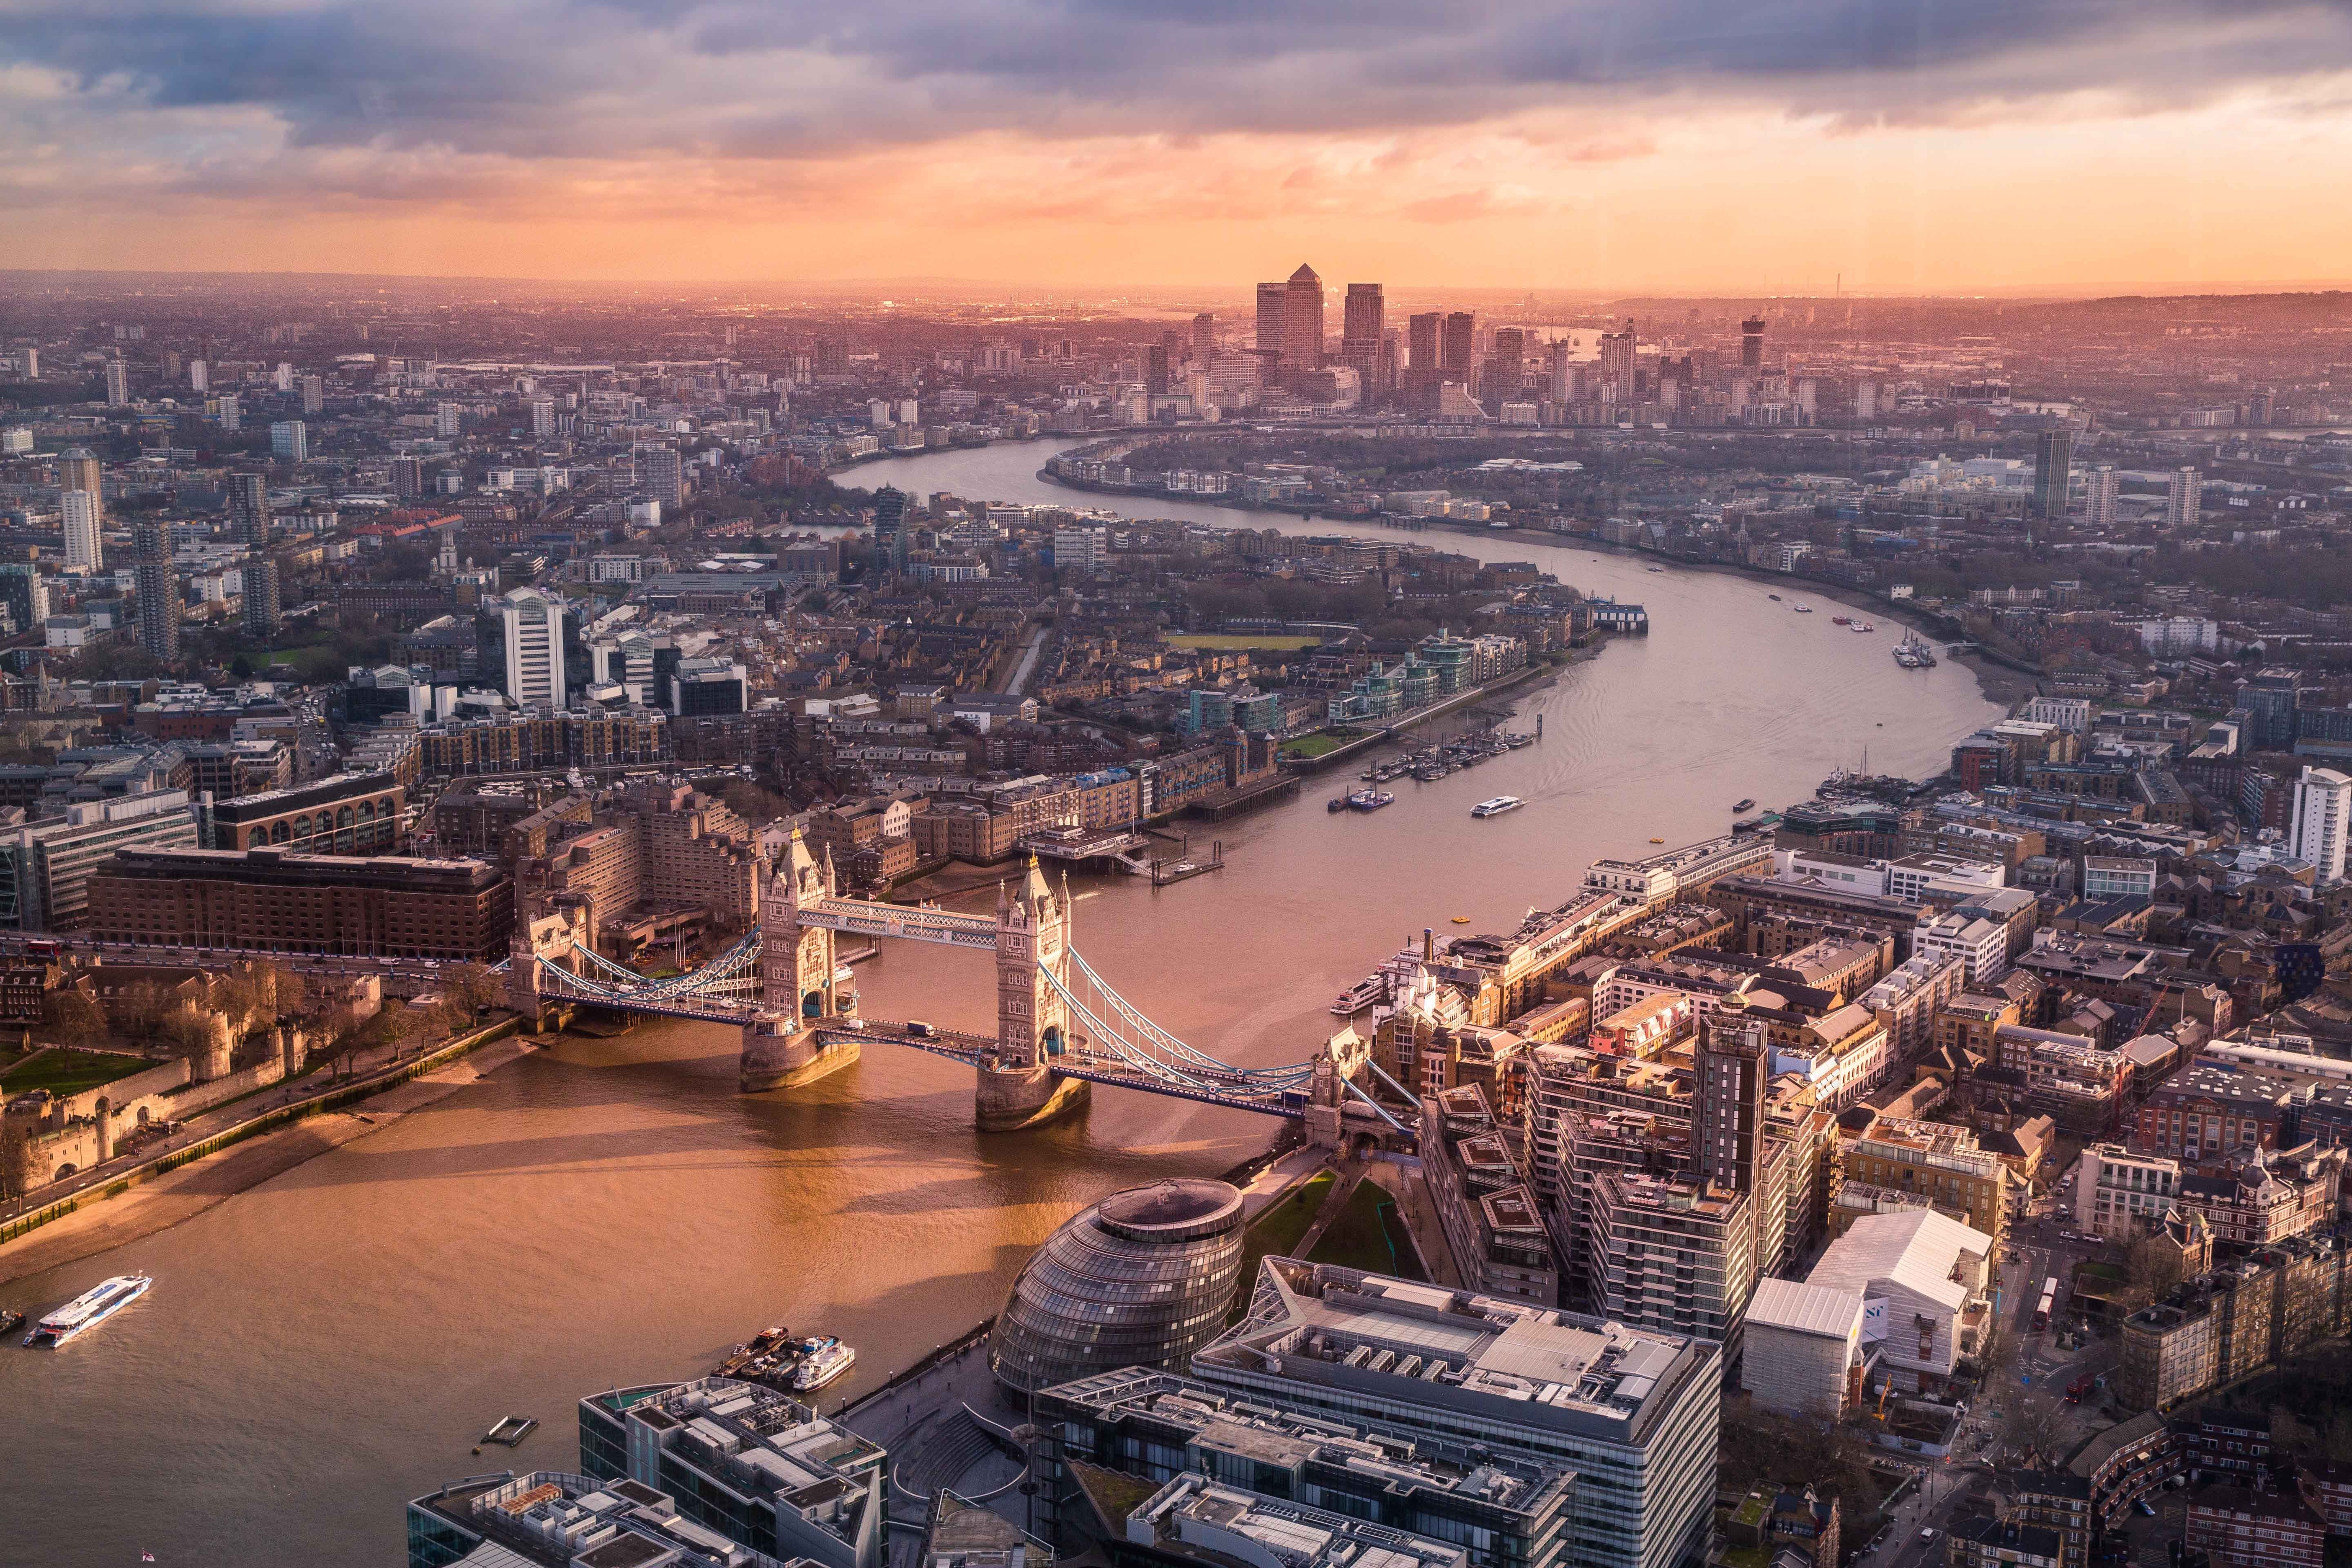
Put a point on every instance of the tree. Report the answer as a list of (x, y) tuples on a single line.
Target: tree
[(188, 1028), (74, 1016), (471, 987), (349, 1035), (16, 1160), (139, 1007)]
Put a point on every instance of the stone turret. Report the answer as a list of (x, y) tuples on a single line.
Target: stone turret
[(1020, 1089)]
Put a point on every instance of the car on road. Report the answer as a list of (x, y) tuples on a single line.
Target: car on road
[(1926, 1535)]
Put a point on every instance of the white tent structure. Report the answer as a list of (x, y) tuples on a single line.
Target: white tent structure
[(1919, 1272), (1803, 1342)]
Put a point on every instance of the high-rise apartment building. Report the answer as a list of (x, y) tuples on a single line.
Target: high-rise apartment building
[(1272, 311), (890, 528), (79, 470), (290, 439), (1751, 342), (199, 376), (1302, 321), (542, 417), (157, 586), (228, 412), (2099, 497), (118, 383), (314, 395), (2053, 472), (661, 474), (1506, 366), (1423, 334), (262, 611), (1157, 370), (1205, 338), (1731, 1071), (449, 420), (2184, 498), (1362, 321), (2323, 804), (85, 545), (1460, 344), (248, 509), (407, 478), (1617, 363), (534, 640)]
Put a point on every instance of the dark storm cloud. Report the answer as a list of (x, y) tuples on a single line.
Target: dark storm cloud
[(550, 78)]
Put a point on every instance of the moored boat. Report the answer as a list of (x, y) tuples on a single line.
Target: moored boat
[(1745, 806), (1360, 996), (823, 1359)]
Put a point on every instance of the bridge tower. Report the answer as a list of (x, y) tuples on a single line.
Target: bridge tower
[(1020, 1088), (782, 1047), (796, 961)]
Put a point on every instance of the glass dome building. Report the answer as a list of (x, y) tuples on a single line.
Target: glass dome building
[(1142, 1279)]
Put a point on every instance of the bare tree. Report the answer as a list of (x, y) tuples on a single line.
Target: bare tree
[(139, 1007), (74, 1016), (16, 1160), (188, 1027), (471, 987)]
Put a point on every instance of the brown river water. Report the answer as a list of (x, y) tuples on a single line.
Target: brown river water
[(322, 1348)]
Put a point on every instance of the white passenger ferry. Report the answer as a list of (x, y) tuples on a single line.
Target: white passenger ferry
[(822, 1361), (89, 1309), (1496, 807)]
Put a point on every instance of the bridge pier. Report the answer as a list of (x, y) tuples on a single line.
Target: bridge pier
[(778, 1054), (1014, 1100)]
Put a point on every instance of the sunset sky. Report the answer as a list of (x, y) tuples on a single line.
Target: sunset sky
[(1747, 146)]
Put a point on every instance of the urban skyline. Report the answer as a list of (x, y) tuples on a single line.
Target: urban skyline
[(1434, 144)]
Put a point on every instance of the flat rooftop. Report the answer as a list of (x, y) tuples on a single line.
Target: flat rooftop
[(1392, 1339)]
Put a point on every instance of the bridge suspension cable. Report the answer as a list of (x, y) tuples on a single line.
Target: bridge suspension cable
[(1157, 1053)]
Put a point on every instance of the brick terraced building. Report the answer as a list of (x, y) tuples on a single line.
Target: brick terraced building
[(276, 902)]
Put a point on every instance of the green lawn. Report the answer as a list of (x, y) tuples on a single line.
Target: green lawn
[(1358, 1238), (1227, 642), (1316, 745), (69, 1072), (1276, 1232)]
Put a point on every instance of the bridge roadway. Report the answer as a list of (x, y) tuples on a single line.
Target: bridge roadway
[(974, 1050), (971, 1050)]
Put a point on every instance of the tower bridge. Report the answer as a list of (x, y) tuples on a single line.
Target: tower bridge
[(1060, 1029)]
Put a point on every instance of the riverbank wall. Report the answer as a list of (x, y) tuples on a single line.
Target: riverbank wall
[(1420, 716), (114, 1180)]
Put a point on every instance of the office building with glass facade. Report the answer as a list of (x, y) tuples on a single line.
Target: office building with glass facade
[(1143, 1278), (1633, 1412), (1505, 1512)]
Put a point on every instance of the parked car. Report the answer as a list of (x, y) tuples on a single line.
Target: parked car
[(2145, 1507)]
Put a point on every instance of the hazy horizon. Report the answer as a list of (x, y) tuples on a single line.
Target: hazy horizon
[(1692, 146)]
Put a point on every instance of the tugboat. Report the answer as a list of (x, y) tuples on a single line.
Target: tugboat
[(759, 1347), (823, 1359), (1745, 806)]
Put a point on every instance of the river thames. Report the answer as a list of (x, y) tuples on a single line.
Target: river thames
[(322, 1348)]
